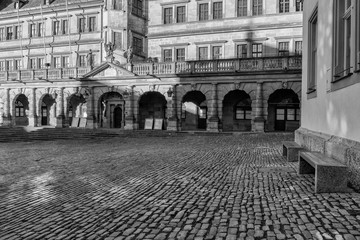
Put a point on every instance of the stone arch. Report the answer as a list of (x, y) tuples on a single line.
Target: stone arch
[(20, 110), (152, 104), (106, 105), (193, 111), (283, 110), (74, 108), (47, 110), (237, 111)]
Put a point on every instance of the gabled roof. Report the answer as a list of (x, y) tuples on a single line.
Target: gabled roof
[(8, 5), (119, 69)]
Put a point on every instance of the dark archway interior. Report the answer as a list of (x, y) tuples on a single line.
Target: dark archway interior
[(107, 104), (283, 111), (46, 104), (151, 105), (74, 108), (194, 111), (21, 109), (237, 111)]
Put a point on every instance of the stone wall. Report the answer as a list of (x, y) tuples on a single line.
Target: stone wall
[(343, 150)]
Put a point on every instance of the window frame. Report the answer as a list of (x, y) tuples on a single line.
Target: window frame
[(138, 46), (167, 57), (176, 49), (244, 8), (296, 51), (183, 15), (138, 9), (299, 6), (216, 56), (91, 26), (284, 6), (81, 25), (257, 52), (259, 11), (203, 16), (199, 52), (283, 48), (312, 53), (168, 16), (217, 13)]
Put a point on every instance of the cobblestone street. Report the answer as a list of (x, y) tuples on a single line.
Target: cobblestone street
[(175, 187)]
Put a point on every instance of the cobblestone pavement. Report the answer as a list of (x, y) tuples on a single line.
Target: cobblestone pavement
[(176, 187)]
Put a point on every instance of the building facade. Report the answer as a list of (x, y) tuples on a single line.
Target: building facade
[(331, 76), (177, 65)]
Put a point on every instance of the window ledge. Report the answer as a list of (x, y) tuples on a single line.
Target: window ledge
[(311, 90), (341, 78)]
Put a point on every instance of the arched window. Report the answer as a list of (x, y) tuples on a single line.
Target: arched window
[(19, 109)]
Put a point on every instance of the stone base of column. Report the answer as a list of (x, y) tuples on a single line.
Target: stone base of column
[(172, 124), (213, 124), (60, 121), (32, 121), (7, 121), (129, 123), (91, 123), (259, 125)]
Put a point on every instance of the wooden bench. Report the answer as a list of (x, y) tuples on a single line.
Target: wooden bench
[(291, 151), (330, 175)]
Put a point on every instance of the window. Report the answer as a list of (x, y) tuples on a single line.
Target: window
[(203, 53), (203, 11), (180, 54), (180, 14), (64, 27), (299, 5), (82, 25), (137, 7), (65, 61), (168, 15), (257, 7), (216, 50), (9, 65), (32, 63), (256, 50), (293, 114), (217, 10), (117, 40), (298, 47), (138, 45), (9, 33), (313, 41), (92, 24), (242, 8), (19, 109), (56, 62), (40, 29), (284, 6), (32, 30), (241, 51), (118, 5), (2, 34), (167, 55), (56, 27), (17, 32), (242, 113), (41, 63), (17, 64), (2, 66), (283, 48), (82, 60)]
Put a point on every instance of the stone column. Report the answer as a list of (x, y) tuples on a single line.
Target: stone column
[(259, 121), (7, 114), (60, 116), (32, 109), (129, 111), (213, 117), (90, 107), (173, 120)]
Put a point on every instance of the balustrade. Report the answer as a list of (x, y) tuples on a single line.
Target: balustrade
[(163, 68)]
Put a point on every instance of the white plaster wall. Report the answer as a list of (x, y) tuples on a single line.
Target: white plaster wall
[(337, 112)]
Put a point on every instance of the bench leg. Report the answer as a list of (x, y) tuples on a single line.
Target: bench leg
[(292, 154), (330, 179), (305, 167), (284, 151)]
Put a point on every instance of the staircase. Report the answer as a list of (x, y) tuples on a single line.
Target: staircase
[(21, 134)]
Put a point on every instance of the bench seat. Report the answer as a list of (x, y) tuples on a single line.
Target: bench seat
[(330, 175), (291, 151)]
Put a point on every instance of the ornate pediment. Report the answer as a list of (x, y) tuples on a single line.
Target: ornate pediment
[(108, 69)]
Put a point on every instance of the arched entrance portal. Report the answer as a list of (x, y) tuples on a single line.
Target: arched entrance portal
[(151, 105), (111, 105), (237, 111), (47, 111), (193, 111), (21, 107), (283, 111), (76, 108)]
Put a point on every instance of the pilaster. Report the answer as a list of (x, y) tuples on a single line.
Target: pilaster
[(259, 121), (7, 115), (129, 108), (90, 119), (213, 119), (60, 116), (173, 120), (32, 109)]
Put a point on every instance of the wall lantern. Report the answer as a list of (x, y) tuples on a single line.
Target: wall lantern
[(170, 92)]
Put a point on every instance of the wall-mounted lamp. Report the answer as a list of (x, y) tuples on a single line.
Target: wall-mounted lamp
[(170, 92)]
